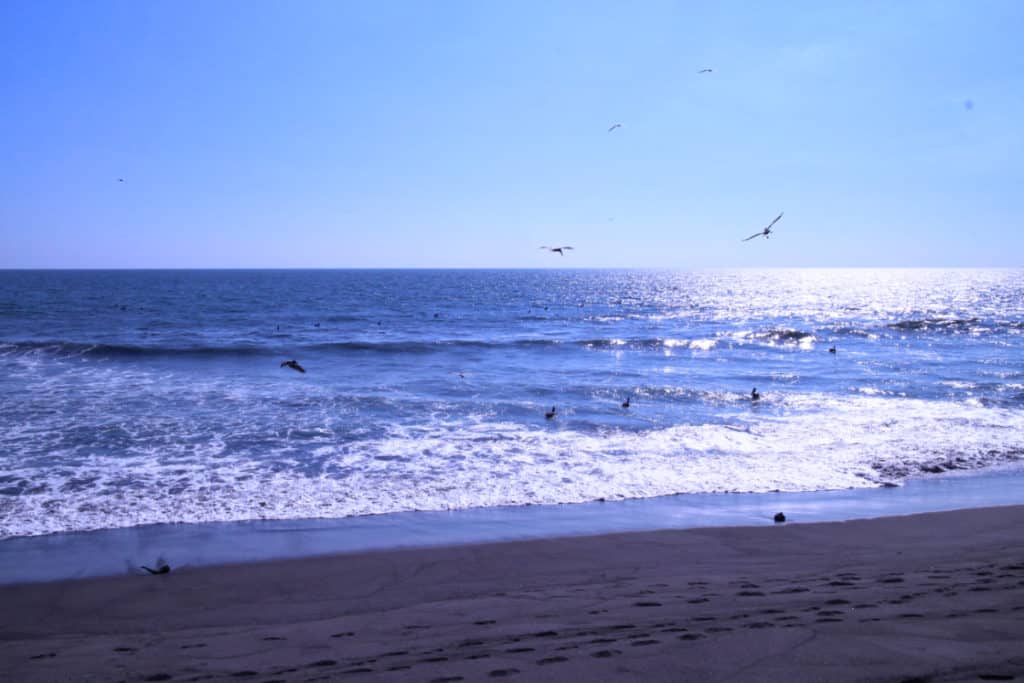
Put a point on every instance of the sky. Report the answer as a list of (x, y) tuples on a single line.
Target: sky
[(448, 134)]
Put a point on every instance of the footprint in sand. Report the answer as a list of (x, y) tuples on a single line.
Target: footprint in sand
[(552, 660), (323, 662)]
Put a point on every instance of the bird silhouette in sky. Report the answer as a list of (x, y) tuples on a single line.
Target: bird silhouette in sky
[(614, 126), (557, 249), (766, 231), (706, 71)]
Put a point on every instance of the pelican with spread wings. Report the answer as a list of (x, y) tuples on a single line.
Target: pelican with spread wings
[(557, 249), (765, 232)]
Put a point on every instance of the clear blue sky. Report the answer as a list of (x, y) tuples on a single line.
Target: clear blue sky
[(465, 134)]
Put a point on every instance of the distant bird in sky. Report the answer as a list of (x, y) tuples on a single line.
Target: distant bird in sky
[(120, 180), (294, 365), (162, 569), (614, 126), (767, 230), (557, 249), (706, 71)]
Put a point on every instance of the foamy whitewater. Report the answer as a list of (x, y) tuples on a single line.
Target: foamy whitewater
[(140, 397)]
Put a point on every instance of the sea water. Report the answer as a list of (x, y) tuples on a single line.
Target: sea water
[(146, 397)]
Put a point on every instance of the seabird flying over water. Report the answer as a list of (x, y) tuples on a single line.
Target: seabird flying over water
[(754, 396), (550, 414), (705, 71), (294, 365), (767, 230), (558, 249), (614, 126), (162, 569), (120, 180)]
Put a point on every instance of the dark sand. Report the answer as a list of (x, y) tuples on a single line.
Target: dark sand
[(932, 597)]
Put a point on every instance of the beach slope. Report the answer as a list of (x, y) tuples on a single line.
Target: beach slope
[(931, 597)]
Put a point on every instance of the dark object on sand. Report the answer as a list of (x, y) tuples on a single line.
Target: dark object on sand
[(754, 396), (294, 365), (550, 414), (779, 517), (162, 569)]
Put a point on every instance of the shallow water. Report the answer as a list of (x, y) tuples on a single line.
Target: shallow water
[(142, 397)]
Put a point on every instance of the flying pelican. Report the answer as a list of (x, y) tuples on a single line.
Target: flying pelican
[(294, 365), (558, 249), (764, 232), (614, 126), (706, 71)]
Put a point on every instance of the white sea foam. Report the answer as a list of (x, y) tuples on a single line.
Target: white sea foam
[(823, 443)]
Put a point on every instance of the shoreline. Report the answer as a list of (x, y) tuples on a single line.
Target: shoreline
[(937, 596), (110, 552)]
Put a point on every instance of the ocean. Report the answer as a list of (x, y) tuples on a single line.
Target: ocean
[(134, 398)]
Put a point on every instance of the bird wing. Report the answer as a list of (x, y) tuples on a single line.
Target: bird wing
[(756, 234), (776, 219), (617, 125), (565, 247)]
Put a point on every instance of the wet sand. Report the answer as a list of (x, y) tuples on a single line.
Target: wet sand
[(931, 597)]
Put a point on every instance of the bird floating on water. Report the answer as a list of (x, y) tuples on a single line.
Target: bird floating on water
[(550, 414), (294, 365), (832, 349), (754, 396), (557, 249), (614, 126), (626, 404), (766, 231)]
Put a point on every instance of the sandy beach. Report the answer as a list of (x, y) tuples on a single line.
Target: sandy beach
[(930, 597)]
